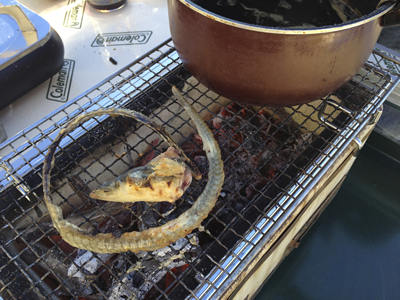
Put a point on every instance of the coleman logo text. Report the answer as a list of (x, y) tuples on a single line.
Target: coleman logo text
[(60, 83), (121, 38)]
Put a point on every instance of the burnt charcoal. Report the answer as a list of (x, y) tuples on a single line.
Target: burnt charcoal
[(12, 210), (201, 163), (137, 279), (8, 271), (215, 227), (204, 266), (282, 181), (216, 251), (239, 204), (21, 288), (257, 148), (181, 288), (164, 207), (226, 215), (262, 202), (251, 214), (204, 238), (189, 280), (149, 219), (240, 226), (228, 239)]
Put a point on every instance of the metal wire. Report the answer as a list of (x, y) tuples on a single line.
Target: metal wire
[(297, 149)]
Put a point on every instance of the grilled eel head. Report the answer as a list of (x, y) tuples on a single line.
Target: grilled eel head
[(164, 178)]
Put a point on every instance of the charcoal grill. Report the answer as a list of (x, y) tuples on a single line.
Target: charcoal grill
[(258, 219)]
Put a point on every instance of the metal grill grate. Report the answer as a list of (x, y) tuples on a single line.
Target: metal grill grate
[(272, 157)]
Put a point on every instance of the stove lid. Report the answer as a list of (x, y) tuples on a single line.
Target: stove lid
[(21, 32)]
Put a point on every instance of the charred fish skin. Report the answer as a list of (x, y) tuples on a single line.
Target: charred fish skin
[(165, 178), (152, 238)]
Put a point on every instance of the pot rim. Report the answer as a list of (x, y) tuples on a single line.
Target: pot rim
[(377, 13)]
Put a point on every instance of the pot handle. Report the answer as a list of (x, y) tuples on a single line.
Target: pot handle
[(337, 107), (392, 18)]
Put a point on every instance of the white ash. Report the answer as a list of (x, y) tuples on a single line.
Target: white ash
[(183, 244), (123, 290), (153, 266), (52, 261), (87, 262), (155, 274)]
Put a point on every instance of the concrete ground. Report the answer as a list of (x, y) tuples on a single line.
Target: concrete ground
[(389, 125), (390, 37)]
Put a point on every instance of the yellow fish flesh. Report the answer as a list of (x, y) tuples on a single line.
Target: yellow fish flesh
[(164, 178)]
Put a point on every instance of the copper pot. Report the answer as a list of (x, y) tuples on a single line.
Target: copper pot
[(267, 65)]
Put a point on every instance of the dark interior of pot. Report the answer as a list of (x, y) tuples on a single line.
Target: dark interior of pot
[(290, 13)]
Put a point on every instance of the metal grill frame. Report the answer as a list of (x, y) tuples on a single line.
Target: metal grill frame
[(25, 151), (220, 279), (232, 265)]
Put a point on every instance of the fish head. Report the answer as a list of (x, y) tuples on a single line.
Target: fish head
[(107, 191), (117, 188)]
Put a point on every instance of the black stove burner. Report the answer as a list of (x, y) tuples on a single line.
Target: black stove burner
[(107, 4)]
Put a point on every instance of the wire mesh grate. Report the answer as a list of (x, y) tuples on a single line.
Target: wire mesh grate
[(272, 157)]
